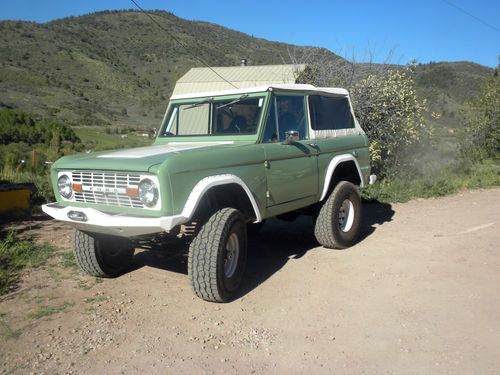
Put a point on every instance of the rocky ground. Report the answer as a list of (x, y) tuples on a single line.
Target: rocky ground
[(418, 295)]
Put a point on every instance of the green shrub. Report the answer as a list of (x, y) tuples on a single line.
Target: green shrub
[(444, 182), (480, 138)]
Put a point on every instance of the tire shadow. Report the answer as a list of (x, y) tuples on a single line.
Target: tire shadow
[(278, 242), (174, 259), (374, 215), (269, 250)]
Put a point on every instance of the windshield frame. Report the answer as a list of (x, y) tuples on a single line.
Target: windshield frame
[(213, 102)]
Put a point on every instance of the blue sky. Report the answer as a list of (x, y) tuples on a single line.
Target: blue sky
[(427, 30)]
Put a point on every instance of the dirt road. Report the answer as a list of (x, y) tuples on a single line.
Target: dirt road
[(420, 294)]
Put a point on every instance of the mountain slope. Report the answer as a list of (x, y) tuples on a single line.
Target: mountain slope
[(119, 68), (447, 86), (112, 67)]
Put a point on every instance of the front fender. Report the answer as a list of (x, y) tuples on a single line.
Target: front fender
[(209, 182)]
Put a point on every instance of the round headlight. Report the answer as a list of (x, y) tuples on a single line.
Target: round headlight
[(148, 192), (64, 186)]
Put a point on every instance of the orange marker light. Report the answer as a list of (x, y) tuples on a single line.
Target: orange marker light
[(132, 192), (77, 187)]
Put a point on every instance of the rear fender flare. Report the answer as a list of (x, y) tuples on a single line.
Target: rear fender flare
[(334, 163)]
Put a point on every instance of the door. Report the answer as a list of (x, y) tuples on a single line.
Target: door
[(291, 167)]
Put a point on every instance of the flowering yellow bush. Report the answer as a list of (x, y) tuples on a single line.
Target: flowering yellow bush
[(392, 115)]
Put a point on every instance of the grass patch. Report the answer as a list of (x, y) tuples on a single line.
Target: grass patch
[(6, 330), (16, 255), (83, 285), (67, 259), (95, 299), (96, 138), (448, 181), (44, 311), (88, 284)]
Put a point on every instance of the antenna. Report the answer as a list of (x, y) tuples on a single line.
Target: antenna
[(179, 42)]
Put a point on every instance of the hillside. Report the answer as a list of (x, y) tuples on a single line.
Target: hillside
[(119, 68), (447, 86), (112, 67)]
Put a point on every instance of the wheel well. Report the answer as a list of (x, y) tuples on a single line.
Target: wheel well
[(229, 195), (345, 171)]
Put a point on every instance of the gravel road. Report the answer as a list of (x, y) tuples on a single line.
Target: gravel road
[(420, 294)]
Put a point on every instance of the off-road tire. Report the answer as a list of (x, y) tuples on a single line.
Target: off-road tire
[(328, 227), (100, 255), (224, 231)]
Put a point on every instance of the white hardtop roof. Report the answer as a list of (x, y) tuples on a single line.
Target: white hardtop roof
[(309, 89)]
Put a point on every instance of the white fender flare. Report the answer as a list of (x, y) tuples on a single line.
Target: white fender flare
[(331, 168), (209, 182)]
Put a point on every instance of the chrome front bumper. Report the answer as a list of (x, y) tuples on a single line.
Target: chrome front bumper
[(92, 220)]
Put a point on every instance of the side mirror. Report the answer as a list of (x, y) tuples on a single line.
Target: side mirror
[(291, 136)]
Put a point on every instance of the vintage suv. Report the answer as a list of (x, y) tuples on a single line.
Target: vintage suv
[(222, 163)]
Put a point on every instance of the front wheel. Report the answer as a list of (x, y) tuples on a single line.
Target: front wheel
[(100, 255), (217, 256), (339, 220)]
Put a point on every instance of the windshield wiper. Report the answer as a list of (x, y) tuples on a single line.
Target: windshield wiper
[(232, 102), (197, 104)]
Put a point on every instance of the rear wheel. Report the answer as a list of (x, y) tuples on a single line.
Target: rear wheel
[(101, 255), (217, 256), (339, 220)]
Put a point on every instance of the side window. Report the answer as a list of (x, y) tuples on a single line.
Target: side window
[(286, 113), (330, 113)]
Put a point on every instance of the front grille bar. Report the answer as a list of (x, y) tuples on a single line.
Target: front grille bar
[(107, 188)]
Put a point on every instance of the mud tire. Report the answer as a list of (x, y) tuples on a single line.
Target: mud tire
[(217, 256)]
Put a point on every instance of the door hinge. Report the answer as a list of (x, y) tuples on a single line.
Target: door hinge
[(266, 164)]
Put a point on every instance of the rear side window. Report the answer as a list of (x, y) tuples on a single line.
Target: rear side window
[(330, 113)]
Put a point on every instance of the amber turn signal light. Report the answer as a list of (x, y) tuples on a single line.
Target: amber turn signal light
[(132, 192)]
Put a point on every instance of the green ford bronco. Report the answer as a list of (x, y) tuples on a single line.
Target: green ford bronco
[(221, 164)]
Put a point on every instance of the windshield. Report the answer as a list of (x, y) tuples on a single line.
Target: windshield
[(211, 116)]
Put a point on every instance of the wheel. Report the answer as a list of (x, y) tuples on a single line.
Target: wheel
[(99, 255), (217, 256), (339, 220)]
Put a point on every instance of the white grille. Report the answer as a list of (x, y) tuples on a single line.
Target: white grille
[(108, 188)]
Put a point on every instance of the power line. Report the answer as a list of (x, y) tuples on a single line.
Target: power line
[(471, 15), (180, 42)]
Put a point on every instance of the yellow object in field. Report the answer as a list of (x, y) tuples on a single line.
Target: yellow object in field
[(15, 198)]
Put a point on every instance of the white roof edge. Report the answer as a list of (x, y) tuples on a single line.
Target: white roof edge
[(290, 87)]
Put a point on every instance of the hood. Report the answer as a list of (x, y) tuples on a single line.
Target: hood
[(139, 159)]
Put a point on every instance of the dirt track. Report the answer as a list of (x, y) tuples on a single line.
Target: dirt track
[(420, 294)]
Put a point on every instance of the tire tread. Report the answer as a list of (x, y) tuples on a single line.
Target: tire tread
[(85, 255), (203, 255), (324, 228)]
